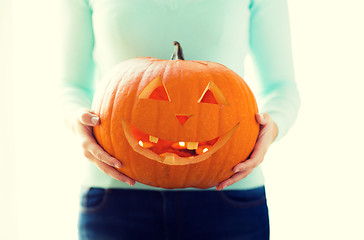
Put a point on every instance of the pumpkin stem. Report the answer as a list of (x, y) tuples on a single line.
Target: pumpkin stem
[(177, 54)]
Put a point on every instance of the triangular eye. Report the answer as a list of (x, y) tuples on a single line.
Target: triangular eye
[(155, 90), (212, 94), (208, 97), (159, 93)]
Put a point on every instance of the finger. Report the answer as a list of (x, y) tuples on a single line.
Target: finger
[(250, 163), (259, 117), (256, 157), (262, 144), (112, 172), (100, 154), (89, 119), (109, 170), (233, 179)]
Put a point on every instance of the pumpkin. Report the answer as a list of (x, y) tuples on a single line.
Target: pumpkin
[(175, 123)]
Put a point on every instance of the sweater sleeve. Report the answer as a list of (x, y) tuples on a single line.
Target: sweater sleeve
[(270, 46), (77, 70)]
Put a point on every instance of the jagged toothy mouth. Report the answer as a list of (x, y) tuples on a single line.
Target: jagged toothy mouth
[(173, 152)]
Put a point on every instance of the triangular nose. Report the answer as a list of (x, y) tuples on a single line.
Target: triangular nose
[(182, 118)]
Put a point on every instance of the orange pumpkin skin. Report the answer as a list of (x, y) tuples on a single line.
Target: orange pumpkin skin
[(122, 106)]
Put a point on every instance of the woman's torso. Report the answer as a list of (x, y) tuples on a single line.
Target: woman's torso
[(214, 30)]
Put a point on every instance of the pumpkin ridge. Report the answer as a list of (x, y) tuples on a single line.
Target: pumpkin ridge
[(133, 168), (113, 121), (209, 163), (252, 108), (107, 137), (118, 74), (161, 70), (221, 127), (180, 68), (225, 75), (170, 66), (98, 111), (97, 108), (233, 146), (110, 125), (186, 174)]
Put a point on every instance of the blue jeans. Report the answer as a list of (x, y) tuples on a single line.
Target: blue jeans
[(109, 214)]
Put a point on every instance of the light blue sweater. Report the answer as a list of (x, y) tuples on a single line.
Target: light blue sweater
[(98, 34)]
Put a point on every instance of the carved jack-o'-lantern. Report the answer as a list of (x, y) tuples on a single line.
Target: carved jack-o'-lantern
[(176, 123)]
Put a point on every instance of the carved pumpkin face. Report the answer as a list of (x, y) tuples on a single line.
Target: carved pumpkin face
[(176, 123)]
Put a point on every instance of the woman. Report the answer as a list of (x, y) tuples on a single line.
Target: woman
[(101, 33)]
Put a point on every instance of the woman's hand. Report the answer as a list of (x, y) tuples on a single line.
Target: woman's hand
[(92, 151), (267, 134)]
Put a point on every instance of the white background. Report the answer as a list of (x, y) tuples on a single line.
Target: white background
[(314, 176)]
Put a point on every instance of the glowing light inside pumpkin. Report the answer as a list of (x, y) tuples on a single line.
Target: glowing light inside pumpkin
[(145, 144), (179, 145), (203, 149)]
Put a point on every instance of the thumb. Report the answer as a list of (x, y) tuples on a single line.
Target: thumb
[(261, 118), (89, 119)]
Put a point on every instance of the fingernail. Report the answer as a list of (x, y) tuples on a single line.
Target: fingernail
[(94, 120), (261, 115), (239, 169)]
